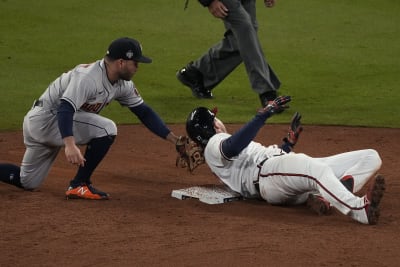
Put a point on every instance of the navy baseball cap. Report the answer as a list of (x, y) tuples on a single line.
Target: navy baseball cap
[(128, 49)]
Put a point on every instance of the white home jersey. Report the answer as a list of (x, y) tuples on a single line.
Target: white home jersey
[(240, 172)]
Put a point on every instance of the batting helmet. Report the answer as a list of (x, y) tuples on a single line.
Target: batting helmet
[(200, 125)]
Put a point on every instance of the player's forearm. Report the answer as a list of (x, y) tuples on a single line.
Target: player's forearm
[(238, 141), (171, 137), (69, 141), (72, 152), (65, 114), (151, 120)]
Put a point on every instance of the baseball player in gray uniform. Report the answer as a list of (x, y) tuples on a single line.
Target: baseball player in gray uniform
[(240, 44), (67, 115), (282, 177)]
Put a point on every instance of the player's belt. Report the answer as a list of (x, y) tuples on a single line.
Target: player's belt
[(256, 182), (257, 186), (37, 103)]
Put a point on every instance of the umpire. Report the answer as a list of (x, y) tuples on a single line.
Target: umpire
[(240, 44)]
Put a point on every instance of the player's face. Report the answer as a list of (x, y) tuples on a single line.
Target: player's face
[(219, 126), (128, 69)]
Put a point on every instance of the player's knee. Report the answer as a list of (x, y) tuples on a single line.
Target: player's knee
[(109, 139), (111, 128), (374, 156), (31, 178), (29, 184)]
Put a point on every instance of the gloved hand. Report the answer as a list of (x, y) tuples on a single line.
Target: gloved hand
[(190, 154), (276, 106), (295, 129), (181, 144)]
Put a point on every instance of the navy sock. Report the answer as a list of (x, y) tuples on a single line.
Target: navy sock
[(10, 174), (95, 151)]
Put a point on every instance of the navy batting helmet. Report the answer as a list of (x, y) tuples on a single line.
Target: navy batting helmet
[(200, 125)]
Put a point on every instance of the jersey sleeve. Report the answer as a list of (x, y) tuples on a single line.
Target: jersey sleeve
[(213, 153), (128, 95), (80, 88)]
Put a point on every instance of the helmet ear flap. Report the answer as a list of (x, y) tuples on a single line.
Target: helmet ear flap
[(215, 111), (200, 125)]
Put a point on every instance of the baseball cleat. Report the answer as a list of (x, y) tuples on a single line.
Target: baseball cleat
[(370, 213), (85, 192), (318, 204), (374, 196), (193, 79)]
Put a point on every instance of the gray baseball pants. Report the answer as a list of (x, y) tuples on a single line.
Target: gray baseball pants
[(240, 44)]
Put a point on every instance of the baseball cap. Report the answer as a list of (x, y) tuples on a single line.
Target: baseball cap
[(128, 49)]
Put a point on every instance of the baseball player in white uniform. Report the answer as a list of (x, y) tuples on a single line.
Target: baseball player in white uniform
[(282, 177), (67, 114)]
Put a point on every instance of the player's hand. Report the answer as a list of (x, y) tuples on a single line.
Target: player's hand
[(218, 9), (277, 105), (181, 144), (295, 129), (269, 3), (72, 152)]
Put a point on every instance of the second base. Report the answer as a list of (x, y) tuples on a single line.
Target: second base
[(210, 194)]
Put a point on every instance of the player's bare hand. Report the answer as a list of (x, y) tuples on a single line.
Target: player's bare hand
[(72, 152), (269, 3), (218, 9), (74, 155)]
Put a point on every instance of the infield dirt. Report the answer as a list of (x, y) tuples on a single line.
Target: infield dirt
[(142, 225)]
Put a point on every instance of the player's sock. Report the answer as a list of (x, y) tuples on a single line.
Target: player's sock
[(348, 182), (95, 151), (9, 174)]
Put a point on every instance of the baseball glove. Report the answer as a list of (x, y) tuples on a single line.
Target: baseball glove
[(190, 154)]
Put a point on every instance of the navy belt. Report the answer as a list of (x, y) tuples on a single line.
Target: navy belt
[(256, 182), (257, 186)]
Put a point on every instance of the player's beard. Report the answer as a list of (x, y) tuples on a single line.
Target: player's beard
[(126, 75)]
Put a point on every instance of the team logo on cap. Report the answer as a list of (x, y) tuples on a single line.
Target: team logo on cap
[(129, 54)]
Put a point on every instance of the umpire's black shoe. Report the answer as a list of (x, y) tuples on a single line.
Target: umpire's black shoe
[(193, 79), (267, 97)]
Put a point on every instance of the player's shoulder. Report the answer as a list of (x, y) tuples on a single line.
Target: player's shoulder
[(90, 65), (219, 136), (126, 86), (90, 69), (216, 139)]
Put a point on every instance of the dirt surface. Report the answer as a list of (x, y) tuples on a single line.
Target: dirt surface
[(142, 225)]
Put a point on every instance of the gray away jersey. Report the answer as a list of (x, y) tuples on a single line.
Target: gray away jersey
[(87, 88)]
